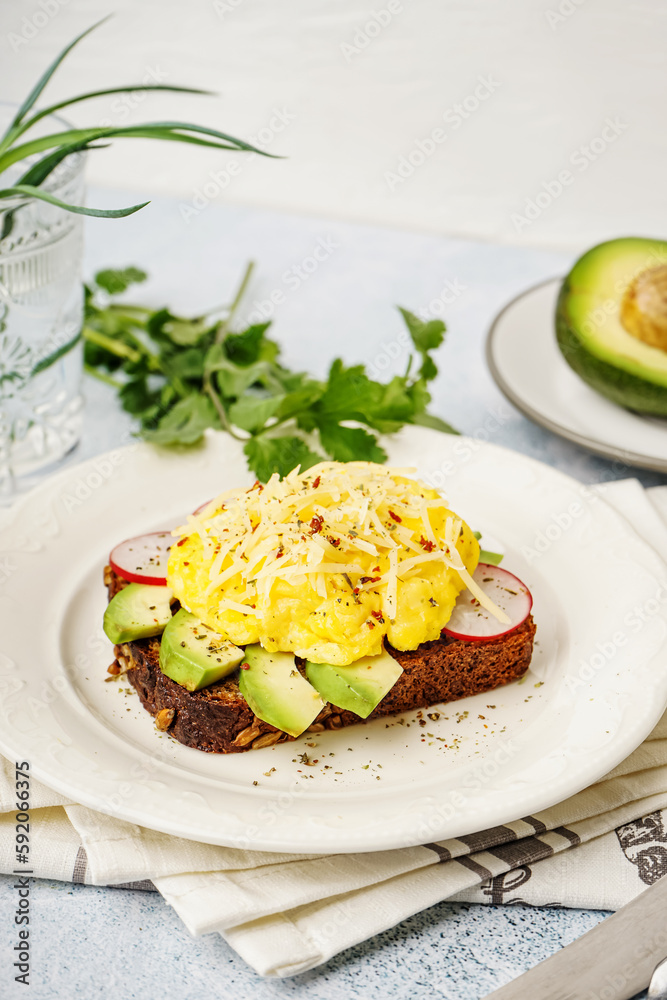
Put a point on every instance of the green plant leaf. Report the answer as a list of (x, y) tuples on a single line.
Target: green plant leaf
[(280, 454), (130, 89), (115, 280), (251, 345), (186, 332), (301, 398), (38, 173), (250, 413), (185, 423), (350, 444), (137, 398), (426, 334), (41, 170), (351, 395), (202, 375), (46, 76), (102, 213), (430, 420), (183, 364), (233, 380), (168, 131), (494, 558), (59, 352)]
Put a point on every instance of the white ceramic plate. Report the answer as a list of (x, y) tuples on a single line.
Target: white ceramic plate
[(596, 687), (527, 366)]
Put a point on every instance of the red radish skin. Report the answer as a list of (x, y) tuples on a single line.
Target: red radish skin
[(200, 508), (473, 623), (143, 559)]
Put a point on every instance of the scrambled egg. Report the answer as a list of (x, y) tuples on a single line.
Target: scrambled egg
[(325, 563)]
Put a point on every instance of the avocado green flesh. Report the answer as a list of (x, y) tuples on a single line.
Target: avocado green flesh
[(193, 655), (617, 385), (359, 687), (591, 336), (276, 692), (138, 611)]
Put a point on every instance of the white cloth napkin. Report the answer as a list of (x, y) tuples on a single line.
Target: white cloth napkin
[(285, 914)]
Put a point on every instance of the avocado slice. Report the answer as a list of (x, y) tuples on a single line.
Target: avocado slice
[(591, 324), (138, 611), (194, 655), (359, 687), (276, 691)]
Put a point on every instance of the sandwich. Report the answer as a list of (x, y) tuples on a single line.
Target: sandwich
[(313, 602)]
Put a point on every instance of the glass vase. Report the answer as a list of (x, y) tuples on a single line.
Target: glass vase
[(41, 316)]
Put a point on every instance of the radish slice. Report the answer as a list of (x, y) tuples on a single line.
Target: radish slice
[(201, 507), (473, 623), (143, 559)]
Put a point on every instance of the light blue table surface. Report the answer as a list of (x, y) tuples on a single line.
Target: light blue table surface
[(119, 944)]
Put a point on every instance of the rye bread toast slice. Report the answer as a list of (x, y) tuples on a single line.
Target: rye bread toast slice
[(218, 719)]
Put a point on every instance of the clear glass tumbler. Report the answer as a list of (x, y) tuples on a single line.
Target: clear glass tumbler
[(41, 316)]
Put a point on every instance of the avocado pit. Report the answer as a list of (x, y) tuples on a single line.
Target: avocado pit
[(643, 310)]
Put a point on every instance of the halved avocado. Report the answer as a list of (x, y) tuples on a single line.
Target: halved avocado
[(600, 330)]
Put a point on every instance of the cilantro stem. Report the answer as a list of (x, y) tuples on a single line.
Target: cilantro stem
[(209, 389), (120, 349), (114, 383), (223, 326), (220, 334), (116, 347), (122, 308)]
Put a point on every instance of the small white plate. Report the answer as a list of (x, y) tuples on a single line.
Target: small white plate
[(529, 369), (597, 684)]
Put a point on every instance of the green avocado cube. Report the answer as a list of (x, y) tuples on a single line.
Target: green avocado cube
[(276, 691), (359, 687), (138, 611), (194, 655)]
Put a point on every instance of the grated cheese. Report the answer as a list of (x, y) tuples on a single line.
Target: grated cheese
[(355, 519)]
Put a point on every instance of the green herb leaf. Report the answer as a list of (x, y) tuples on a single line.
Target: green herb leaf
[(430, 420), (137, 398), (115, 281), (185, 423), (232, 379), (251, 412), (182, 375), (185, 364), (427, 335), (250, 346), (350, 444), (351, 395), (280, 454), (493, 558)]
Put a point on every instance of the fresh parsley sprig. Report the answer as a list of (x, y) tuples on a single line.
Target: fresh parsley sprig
[(181, 375)]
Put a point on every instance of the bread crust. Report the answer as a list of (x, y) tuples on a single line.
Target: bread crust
[(217, 719)]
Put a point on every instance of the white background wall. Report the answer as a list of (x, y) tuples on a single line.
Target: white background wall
[(521, 90)]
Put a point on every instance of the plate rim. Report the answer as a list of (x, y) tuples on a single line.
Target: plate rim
[(582, 440), (635, 732)]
